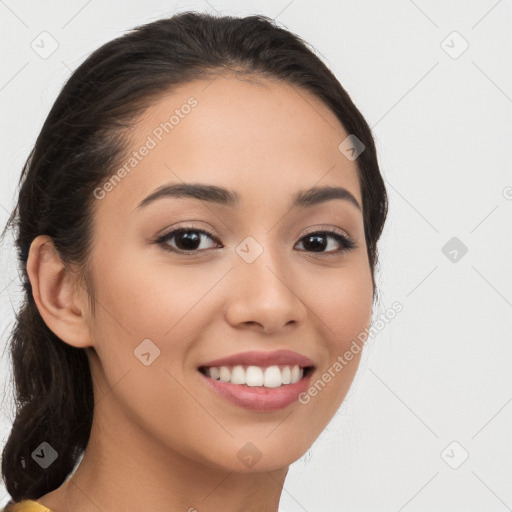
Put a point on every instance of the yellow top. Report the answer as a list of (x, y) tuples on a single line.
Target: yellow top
[(25, 506)]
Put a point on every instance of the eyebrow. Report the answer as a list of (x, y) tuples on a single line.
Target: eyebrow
[(223, 196)]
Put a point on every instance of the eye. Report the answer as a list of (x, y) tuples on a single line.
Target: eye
[(190, 240), (319, 241), (186, 240)]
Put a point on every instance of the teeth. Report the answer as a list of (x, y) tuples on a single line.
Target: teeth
[(286, 375), (272, 377), (255, 376), (238, 375), (225, 374), (296, 374)]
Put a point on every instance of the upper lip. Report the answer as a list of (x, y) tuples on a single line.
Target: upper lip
[(254, 358)]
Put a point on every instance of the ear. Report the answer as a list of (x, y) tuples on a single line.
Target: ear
[(61, 303)]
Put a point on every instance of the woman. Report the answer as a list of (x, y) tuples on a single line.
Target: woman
[(197, 227)]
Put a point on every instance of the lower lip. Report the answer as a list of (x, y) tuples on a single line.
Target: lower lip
[(259, 398)]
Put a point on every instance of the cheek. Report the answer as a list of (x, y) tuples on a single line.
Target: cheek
[(150, 297), (345, 305), (170, 307)]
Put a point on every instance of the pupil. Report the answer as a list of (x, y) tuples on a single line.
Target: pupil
[(315, 245), (188, 240)]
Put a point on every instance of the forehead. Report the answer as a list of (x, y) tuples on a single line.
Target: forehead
[(263, 137)]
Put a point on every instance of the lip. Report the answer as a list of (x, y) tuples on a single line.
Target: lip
[(255, 358), (258, 398)]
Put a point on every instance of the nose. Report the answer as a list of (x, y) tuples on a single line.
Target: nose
[(264, 297)]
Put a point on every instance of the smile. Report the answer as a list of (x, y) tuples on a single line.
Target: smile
[(263, 381), (256, 376)]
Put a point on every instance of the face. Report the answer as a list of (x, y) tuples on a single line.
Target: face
[(257, 277)]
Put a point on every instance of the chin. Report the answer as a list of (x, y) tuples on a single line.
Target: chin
[(263, 451)]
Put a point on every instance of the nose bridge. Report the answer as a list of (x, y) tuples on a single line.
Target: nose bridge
[(264, 293), (263, 263)]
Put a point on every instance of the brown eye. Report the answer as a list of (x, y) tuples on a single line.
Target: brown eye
[(190, 240), (185, 240), (319, 242)]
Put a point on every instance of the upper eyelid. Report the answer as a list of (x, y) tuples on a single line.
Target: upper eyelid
[(329, 229), (313, 230)]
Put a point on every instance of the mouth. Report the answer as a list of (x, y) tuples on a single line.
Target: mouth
[(262, 381), (273, 376)]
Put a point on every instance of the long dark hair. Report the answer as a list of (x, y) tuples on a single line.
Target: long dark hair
[(82, 140)]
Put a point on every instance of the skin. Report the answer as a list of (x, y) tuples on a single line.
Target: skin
[(161, 440)]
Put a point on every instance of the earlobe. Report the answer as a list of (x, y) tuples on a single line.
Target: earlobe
[(54, 292)]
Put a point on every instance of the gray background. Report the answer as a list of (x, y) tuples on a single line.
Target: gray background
[(435, 385)]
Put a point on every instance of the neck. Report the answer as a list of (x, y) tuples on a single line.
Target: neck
[(120, 479)]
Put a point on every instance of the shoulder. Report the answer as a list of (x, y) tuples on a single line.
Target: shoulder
[(25, 506)]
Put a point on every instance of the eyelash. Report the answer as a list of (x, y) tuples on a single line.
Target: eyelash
[(346, 243)]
